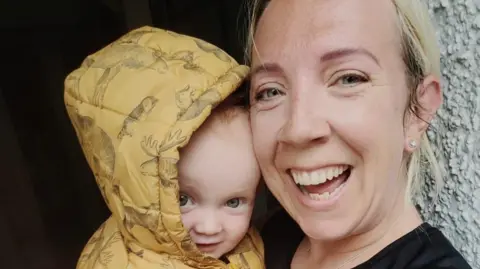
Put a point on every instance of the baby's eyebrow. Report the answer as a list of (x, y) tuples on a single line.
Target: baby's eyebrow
[(188, 189), (240, 193)]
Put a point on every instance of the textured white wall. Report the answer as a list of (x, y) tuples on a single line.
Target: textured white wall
[(457, 212)]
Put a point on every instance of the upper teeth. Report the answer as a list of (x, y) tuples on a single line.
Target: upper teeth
[(318, 176)]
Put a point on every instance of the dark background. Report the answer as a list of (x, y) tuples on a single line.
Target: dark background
[(50, 204)]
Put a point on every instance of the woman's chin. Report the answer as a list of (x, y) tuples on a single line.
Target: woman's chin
[(325, 230)]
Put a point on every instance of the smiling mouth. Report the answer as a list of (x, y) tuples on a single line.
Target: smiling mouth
[(322, 184)]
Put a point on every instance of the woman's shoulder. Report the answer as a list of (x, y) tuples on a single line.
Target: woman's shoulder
[(426, 247), (281, 236)]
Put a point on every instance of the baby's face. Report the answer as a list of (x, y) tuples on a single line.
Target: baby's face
[(218, 176)]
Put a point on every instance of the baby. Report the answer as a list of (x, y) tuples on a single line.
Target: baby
[(173, 161), (218, 176)]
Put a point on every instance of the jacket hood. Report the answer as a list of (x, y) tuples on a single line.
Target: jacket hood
[(133, 104)]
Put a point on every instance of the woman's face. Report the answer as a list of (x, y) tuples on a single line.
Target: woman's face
[(328, 97)]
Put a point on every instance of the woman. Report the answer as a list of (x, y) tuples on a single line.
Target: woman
[(341, 94)]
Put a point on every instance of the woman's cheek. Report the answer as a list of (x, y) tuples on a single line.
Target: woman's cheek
[(263, 139)]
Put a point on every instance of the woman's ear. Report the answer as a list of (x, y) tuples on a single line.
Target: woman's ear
[(429, 96)]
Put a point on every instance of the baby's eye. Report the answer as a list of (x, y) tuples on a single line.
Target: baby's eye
[(350, 80), (233, 203), (184, 199), (267, 93)]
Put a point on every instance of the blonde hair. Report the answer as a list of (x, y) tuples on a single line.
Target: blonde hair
[(421, 56)]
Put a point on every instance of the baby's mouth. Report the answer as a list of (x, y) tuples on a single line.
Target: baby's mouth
[(207, 247), (322, 184)]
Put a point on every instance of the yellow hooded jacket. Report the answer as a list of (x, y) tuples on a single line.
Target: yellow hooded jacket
[(132, 105)]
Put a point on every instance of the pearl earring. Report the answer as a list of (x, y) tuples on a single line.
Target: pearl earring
[(412, 144)]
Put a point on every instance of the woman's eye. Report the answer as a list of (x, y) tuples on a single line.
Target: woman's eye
[(267, 93), (184, 199), (350, 80), (233, 203)]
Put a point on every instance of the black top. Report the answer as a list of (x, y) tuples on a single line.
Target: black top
[(423, 248)]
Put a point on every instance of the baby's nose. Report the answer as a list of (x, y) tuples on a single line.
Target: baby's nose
[(210, 224)]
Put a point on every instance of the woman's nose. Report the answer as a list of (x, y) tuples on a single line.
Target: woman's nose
[(208, 224), (305, 123)]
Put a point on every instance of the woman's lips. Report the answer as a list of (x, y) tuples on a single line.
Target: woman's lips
[(318, 176), (327, 189), (320, 196)]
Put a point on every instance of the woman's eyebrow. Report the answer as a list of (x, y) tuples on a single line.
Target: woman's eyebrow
[(344, 52), (265, 68), (328, 56)]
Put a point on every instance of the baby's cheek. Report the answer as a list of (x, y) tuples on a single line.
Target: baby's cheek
[(188, 220), (238, 224)]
